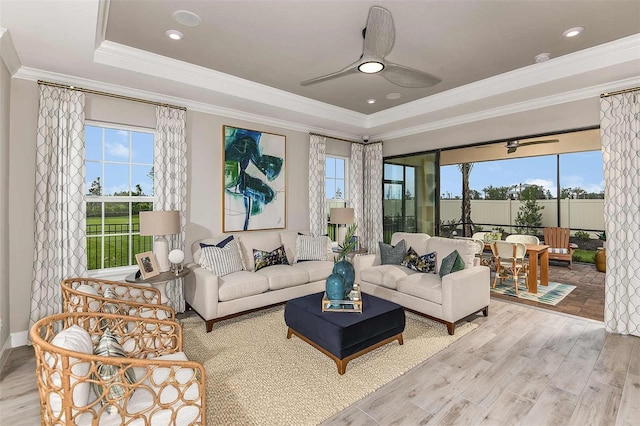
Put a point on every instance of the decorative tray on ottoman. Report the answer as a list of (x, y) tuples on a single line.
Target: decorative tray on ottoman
[(353, 303)]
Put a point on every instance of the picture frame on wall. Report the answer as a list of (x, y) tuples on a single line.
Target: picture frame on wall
[(148, 264), (254, 192)]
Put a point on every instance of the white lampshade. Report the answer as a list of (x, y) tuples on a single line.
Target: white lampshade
[(160, 223), (342, 216)]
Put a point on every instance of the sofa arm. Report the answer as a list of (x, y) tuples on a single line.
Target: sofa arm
[(465, 292), (201, 291), (364, 261)]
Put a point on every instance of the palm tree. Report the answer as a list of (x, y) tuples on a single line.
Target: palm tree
[(465, 169)]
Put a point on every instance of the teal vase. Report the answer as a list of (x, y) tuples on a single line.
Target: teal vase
[(345, 269), (335, 287)]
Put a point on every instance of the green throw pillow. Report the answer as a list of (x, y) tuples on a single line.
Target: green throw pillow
[(452, 263), (392, 255)]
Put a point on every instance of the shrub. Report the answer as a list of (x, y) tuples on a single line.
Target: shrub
[(602, 235), (583, 235)]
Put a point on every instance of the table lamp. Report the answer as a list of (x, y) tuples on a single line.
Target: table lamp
[(341, 216), (158, 224)]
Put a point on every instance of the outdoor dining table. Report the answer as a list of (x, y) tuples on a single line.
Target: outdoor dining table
[(538, 259)]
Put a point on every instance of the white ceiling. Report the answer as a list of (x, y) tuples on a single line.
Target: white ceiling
[(247, 58)]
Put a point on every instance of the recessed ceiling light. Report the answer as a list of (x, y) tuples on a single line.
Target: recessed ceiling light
[(174, 34), (186, 18), (543, 57), (572, 32), (371, 101), (394, 96)]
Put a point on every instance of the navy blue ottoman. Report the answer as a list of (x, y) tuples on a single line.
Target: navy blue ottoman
[(343, 336)]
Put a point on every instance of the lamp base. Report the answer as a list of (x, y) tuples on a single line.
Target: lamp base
[(161, 250)]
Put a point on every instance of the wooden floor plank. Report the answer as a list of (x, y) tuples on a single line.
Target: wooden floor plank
[(554, 407), (613, 363), (509, 408), (598, 405), (629, 410)]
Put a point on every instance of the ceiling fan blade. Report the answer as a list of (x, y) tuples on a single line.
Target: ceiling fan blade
[(351, 69), (379, 35), (539, 142), (408, 77)]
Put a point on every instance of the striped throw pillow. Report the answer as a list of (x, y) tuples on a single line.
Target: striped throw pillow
[(311, 248), (222, 260)]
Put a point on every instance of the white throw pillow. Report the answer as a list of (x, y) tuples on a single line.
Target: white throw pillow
[(222, 260), (74, 338), (311, 248), (94, 305)]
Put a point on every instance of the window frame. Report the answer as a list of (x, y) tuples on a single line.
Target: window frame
[(103, 199), (345, 198)]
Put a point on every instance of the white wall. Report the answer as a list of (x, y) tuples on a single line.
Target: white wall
[(5, 86), (204, 153)]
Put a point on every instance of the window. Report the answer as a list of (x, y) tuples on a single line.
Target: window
[(119, 184), (335, 178)]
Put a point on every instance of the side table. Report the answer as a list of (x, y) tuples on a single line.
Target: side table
[(159, 281)]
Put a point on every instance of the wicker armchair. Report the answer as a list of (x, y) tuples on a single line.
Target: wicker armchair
[(166, 389), (87, 295)]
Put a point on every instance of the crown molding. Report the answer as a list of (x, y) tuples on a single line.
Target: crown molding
[(33, 74), (101, 24), (547, 101), (598, 57), (8, 52), (140, 61)]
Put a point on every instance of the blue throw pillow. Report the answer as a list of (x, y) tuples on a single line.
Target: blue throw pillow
[(452, 263), (392, 255), (221, 244), (425, 263), (263, 259)]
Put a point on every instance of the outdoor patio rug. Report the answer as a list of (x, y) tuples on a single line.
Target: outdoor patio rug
[(256, 376), (550, 295)]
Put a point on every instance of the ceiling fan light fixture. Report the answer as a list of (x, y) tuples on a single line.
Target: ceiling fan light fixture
[(572, 32), (371, 101), (174, 34), (187, 18), (371, 67)]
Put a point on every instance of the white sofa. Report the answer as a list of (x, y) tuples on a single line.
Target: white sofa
[(217, 298), (447, 300)]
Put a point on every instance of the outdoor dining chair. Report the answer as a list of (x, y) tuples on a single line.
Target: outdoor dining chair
[(510, 261)]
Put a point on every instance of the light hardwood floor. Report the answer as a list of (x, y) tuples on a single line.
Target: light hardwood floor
[(521, 366)]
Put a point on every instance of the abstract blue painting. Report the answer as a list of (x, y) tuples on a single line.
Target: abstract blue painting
[(254, 180)]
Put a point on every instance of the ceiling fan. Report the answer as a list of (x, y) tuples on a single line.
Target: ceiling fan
[(379, 36), (513, 145)]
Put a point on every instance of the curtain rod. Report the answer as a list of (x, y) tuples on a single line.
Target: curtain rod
[(619, 92), (111, 95), (333, 137)]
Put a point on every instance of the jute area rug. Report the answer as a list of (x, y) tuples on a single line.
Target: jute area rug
[(256, 376)]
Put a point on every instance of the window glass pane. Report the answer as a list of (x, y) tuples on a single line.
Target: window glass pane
[(339, 194), (330, 186), (392, 172), (142, 147), (116, 251), (331, 167), (116, 179), (340, 168), (93, 143), (94, 252), (94, 218), (94, 232), (93, 182), (140, 243), (116, 145), (141, 180), (116, 218)]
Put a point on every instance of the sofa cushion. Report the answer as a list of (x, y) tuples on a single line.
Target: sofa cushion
[(262, 258), (284, 276), (317, 269), (266, 241), (451, 263), (424, 286), (416, 240), (241, 284), (385, 275), (444, 246), (425, 263), (392, 255)]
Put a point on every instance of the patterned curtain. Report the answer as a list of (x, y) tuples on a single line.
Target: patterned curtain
[(356, 179), (60, 244), (170, 182), (317, 175), (372, 193), (620, 135)]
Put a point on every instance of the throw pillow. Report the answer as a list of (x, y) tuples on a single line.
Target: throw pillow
[(262, 259), (109, 307), (451, 263), (222, 260), (392, 255), (311, 248), (114, 379), (425, 263), (220, 244)]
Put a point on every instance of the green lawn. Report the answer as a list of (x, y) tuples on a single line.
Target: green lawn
[(586, 256), (116, 247)]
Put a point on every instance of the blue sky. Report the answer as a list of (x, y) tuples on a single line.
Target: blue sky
[(582, 169), (119, 148)]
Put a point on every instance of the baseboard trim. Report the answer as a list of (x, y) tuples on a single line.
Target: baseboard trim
[(21, 338)]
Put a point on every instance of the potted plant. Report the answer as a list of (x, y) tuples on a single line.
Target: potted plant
[(601, 253)]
